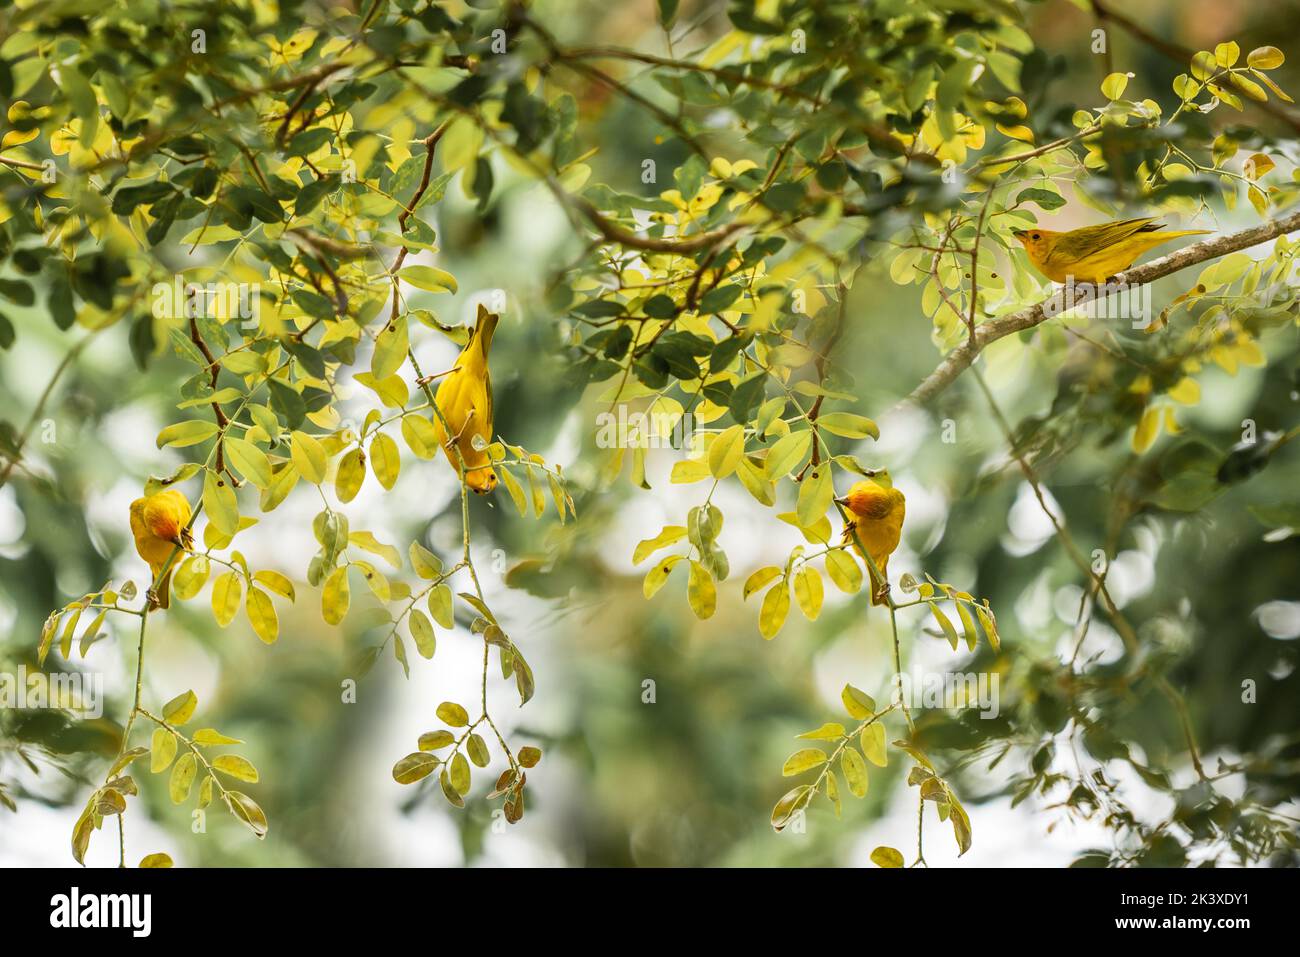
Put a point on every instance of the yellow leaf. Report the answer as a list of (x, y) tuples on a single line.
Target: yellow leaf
[(776, 605), (162, 750), (873, 744), (182, 778), (181, 708), (385, 459), (1148, 429), (844, 570), (808, 591), (220, 504), (335, 596), (350, 476), (262, 616), (855, 771), (309, 457), (726, 450), (658, 576), (226, 591), (886, 857), (802, 761), (700, 591), (237, 767)]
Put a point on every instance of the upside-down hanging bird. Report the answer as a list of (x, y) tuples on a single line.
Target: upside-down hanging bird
[(465, 399), (1094, 253), (160, 523), (878, 523)]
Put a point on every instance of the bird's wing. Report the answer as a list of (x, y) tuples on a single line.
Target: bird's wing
[(161, 519), (1080, 243)]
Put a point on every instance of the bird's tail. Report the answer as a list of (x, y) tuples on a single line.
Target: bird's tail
[(164, 590), (879, 589), (1183, 232), (484, 327)]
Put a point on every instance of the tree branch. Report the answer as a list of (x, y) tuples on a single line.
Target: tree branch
[(959, 359)]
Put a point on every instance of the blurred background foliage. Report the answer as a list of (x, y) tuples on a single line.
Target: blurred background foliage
[(689, 777)]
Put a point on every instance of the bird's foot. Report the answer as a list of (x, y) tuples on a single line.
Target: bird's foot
[(151, 597), (426, 379), (468, 419)]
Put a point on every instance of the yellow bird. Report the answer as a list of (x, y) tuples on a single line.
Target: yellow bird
[(878, 521), (1094, 253), (159, 523), (465, 399)]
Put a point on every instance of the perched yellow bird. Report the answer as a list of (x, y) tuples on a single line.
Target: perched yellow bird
[(465, 398), (878, 521), (1094, 253), (159, 523)]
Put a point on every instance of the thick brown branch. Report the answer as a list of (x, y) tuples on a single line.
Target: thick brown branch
[(959, 359)]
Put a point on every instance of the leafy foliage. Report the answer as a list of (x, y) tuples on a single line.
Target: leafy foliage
[(243, 188)]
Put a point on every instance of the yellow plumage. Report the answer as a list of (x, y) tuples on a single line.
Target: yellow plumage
[(1094, 253), (465, 398), (159, 523), (878, 522)]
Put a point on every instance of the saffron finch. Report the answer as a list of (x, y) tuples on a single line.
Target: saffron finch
[(160, 522), (878, 522), (465, 399), (1094, 253)]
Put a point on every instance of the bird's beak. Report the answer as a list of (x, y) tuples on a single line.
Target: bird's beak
[(1020, 234), (842, 501)]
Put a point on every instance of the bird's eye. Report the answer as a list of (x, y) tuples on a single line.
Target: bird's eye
[(1035, 236)]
